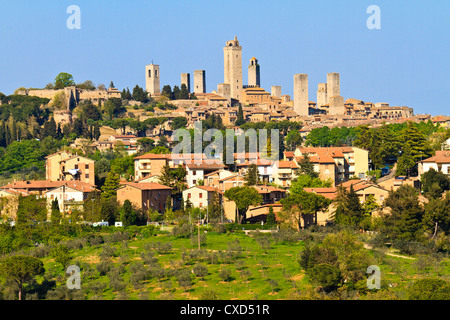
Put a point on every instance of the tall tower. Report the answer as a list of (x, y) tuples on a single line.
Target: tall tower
[(233, 67), (322, 95), (253, 73), (152, 79), (301, 103), (333, 85), (186, 80), (199, 81)]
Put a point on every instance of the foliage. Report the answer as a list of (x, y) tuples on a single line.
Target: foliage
[(244, 197)]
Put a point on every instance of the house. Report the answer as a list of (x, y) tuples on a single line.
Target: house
[(65, 166), (440, 162), (197, 171), (283, 172), (263, 166), (41, 187), (200, 196), (213, 179), (145, 196), (336, 163), (70, 196), (149, 164), (270, 195)]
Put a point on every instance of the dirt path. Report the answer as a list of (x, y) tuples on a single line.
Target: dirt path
[(389, 253)]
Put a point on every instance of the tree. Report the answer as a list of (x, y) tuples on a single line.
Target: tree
[(271, 218), (178, 122), (145, 144), (437, 216), (184, 94), (21, 269), (244, 197), (303, 206), (252, 175), (55, 216), (63, 80), (240, 117), (293, 140), (128, 215), (111, 185), (432, 177), (307, 167), (167, 92), (176, 92), (61, 254), (405, 220), (429, 289)]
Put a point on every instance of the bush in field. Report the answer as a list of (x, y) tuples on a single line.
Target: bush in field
[(200, 270)]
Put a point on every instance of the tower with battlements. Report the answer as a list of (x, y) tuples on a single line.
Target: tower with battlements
[(233, 67)]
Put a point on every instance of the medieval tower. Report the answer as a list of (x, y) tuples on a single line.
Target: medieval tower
[(233, 67), (199, 81), (253, 73), (152, 78), (301, 102), (186, 80)]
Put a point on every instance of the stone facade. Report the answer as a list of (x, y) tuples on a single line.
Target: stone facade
[(322, 99), (199, 81), (254, 78), (275, 91), (301, 103), (233, 67), (186, 80), (152, 76)]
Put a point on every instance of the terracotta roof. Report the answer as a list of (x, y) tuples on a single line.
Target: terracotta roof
[(205, 165), (146, 185), (439, 157), (207, 188), (46, 184), (287, 164), (152, 156)]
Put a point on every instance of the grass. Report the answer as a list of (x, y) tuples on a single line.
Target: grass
[(259, 273)]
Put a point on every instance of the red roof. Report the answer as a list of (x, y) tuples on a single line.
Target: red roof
[(146, 185)]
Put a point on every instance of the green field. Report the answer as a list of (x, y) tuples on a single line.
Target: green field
[(257, 269)]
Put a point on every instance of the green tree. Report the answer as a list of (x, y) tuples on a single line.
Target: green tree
[(271, 217), (429, 289), (111, 185), (244, 197), (307, 167), (63, 80), (128, 215), (432, 177), (252, 175), (56, 215), (61, 254), (21, 269), (240, 117), (178, 122), (293, 140), (184, 94)]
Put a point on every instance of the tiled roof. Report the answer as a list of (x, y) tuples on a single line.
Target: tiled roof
[(146, 185)]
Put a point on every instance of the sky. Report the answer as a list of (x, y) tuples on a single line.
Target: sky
[(406, 62)]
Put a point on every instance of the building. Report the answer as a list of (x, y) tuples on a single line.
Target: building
[(145, 196), (65, 166), (70, 196), (200, 196), (199, 81), (186, 80), (301, 102), (233, 67), (254, 77), (149, 164), (440, 162), (283, 172), (152, 82), (196, 172)]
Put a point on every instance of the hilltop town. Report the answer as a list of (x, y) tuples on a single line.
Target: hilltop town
[(80, 154)]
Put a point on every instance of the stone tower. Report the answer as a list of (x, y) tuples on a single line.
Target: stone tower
[(253, 73), (233, 67), (199, 81), (186, 80), (152, 79), (301, 103), (275, 91), (322, 95), (333, 86)]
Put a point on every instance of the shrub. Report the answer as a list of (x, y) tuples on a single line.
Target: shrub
[(225, 274), (200, 270)]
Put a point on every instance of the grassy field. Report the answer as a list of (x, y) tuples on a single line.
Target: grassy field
[(256, 269)]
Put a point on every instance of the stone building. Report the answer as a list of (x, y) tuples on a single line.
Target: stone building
[(152, 76), (254, 78), (233, 67), (301, 102), (199, 81)]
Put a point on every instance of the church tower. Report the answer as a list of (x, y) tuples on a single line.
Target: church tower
[(152, 79), (253, 73), (233, 67)]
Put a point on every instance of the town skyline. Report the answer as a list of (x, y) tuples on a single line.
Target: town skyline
[(387, 76)]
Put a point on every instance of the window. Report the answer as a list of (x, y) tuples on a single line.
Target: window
[(194, 181), (149, 73), (194, 172), (200, 195), (76, 166), (86, 166), (87, 175), (189, 195)]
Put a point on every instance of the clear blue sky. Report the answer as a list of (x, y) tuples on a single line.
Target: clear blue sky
[(406, 62)]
